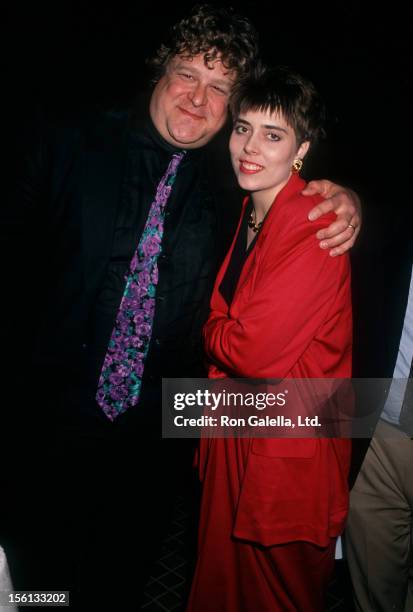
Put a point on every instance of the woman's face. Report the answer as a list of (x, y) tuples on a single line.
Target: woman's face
[(263, 147)]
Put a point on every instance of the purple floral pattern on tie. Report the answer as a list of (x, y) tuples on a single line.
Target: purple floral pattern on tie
[(121, 376)]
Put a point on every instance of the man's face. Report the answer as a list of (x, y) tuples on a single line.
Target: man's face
[(189, 103)]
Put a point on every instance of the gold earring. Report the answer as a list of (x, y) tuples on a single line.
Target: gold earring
[(297, 165)]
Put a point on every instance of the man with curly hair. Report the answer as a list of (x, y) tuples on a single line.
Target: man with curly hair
[(132, 218)]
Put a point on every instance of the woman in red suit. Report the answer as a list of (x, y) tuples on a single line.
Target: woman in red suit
[(281, 308)]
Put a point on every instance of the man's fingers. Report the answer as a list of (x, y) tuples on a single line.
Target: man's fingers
[(339, 227), (322, 187), (321, 209), (340, 235), (343, 248), (340, 243), (340, 204)]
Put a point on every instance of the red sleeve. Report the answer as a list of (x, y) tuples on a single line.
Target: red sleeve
[(293, 290)]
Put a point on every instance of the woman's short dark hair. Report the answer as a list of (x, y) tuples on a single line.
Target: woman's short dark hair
[(212, 31), (281, 90)]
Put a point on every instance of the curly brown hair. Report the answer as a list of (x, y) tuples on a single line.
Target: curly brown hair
[(213, 31), (281, 90)]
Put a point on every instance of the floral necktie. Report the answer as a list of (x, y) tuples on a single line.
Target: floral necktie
[(121, 376)]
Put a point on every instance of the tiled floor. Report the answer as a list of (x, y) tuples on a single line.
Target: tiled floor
[(167, 588)]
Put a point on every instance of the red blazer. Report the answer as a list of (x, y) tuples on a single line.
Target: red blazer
[(290, 318)]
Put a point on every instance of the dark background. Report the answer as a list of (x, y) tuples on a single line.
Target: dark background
[(76, 55)]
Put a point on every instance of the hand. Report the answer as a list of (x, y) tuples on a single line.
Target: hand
[(341, 235)]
